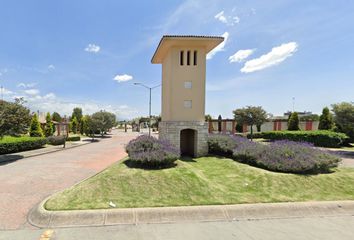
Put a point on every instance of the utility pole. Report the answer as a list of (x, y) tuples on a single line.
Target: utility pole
[(150, 88)]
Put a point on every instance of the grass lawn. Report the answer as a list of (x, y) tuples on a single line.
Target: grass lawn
[(207, 180), (10, 139)]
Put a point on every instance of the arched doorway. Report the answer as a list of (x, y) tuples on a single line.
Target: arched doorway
[(188, 142)]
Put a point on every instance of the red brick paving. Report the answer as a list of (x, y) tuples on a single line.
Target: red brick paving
[(26, 182)]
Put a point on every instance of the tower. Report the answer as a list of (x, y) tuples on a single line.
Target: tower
[(183, 60)]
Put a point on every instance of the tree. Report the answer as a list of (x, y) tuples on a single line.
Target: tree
[(56, 117), (250, 116), (326, 120), (48, 129), (293, 122), (14, 118), (35, 127), (77, 112), (74, 125), (208, 117), (104, 121), (83, 125), (344, 118), (92, 126)]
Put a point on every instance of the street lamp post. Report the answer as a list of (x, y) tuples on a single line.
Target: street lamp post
[(150, 88)]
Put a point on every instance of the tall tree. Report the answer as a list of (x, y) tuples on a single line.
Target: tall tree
[(83, 125), (35, 127), (344, 118), (74, 124), (326, 120), (14, 118), (293, 123), (77, 112), (251, 116), (48, 129), (56, 117)]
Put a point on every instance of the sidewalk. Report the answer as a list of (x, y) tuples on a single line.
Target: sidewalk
[(45, 150), (42, 218)]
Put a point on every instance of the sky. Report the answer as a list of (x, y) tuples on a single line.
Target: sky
[(58, 55)]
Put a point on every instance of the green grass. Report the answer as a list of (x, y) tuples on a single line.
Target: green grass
[(202, 181), (9, 139)]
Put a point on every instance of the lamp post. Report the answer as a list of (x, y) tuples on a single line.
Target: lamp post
[(150, 88)]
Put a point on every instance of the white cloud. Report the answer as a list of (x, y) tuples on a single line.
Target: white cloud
[(6, 91), (32, 92), (241, 55), (274, 57), (123, 78), (26, 85), (51, 67), (51, 103), (92, 48), (221, 17), (219, 48), (228, 20)]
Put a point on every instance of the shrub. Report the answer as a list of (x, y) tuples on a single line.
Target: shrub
[(73, 138), (286, 156), (56, 140), (48, 128), (320, 138), (255, 135), (35, 127), (19, 144), (293, 123), (326, 120), (151, 152), (222, 144)]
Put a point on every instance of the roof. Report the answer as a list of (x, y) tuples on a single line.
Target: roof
[(167, 41)]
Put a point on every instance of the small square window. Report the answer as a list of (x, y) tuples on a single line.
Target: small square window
[(188, 85), (187, 103)]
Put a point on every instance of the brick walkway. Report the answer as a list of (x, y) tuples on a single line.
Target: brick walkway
[(26, 182)]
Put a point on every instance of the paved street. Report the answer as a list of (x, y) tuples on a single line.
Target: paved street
[(330, 228), (26, 182)]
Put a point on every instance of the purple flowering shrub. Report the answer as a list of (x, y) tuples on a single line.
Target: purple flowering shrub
[(151, 152), (286, 156), (223, 145)]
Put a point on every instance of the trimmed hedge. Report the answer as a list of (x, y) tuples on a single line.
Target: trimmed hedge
[(56, 140), (255, 135), (320, 138), (73, 138), (19, 144)]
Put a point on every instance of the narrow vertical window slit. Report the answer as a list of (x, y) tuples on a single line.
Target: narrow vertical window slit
[(181, 58)]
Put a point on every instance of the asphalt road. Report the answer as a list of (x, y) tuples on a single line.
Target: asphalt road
[(329, 228)]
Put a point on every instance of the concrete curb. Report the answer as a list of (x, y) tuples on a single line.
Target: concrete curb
[(42, 218), (41, 153)]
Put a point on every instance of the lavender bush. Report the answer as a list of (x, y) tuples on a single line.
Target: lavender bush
[(223, 145), (151, 152), (286, 156)]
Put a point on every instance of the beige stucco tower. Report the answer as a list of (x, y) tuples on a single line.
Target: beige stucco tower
[(183, 60)]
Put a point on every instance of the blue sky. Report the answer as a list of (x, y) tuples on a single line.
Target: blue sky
[(62, 54)]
